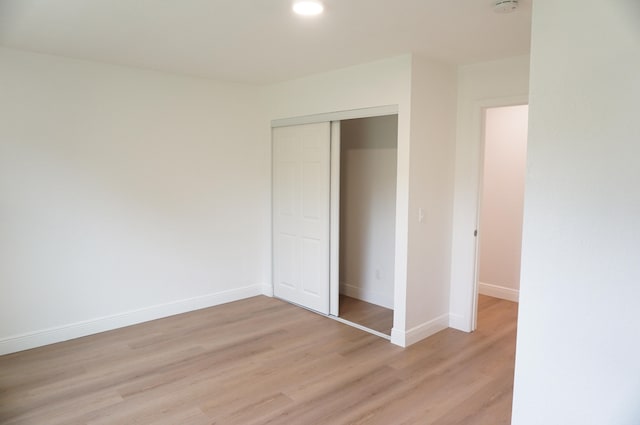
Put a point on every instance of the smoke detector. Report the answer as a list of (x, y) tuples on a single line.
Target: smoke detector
[(505, 6)]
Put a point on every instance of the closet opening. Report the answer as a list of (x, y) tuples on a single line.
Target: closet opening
[(334, 179), (367, 214)]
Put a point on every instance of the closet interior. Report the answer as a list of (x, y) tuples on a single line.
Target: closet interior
[(368, 175)]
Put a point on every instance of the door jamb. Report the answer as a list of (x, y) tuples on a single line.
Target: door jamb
[(375, 111), (334, 221)]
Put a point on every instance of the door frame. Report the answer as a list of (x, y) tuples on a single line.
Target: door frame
[(334, 239), (478, 122), (375, 111), (334, 221)]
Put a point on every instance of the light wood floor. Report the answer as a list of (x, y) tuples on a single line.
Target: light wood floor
[(366, 314), (262, 361)]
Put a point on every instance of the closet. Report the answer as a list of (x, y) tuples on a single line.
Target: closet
[(333, 209)]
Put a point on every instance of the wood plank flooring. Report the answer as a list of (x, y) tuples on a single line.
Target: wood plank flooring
[(262, 361), (366, 314)]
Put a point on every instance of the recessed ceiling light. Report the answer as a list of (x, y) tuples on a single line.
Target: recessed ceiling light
[(308, 7)]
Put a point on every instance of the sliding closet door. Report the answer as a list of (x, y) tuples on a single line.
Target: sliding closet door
[(301, 197)]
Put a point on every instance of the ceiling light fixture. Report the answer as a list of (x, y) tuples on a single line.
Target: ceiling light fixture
[(308, 7), (505, 6)]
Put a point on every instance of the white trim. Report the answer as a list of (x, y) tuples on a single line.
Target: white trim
[(375, 111), (271, 216), (499, 291), (459, 322), (368, 295), (362, 328), (420, 332), (334, 221), (267, 290), (89, 327)]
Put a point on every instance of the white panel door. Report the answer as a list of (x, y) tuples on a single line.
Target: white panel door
[(301, 196)]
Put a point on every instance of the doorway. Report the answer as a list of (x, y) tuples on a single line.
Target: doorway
[(501, 203), (334, 199)]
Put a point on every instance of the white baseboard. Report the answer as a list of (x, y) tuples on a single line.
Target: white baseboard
[(267, 290), (368, 295), (420, 332), (79, 329), (459, 322), (499, 292)]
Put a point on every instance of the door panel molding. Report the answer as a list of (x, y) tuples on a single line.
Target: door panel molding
[(301, 222)]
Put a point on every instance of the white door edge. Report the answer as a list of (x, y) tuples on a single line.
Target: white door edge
[(334, 220)]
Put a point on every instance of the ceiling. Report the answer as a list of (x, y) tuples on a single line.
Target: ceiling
[(261, 41)]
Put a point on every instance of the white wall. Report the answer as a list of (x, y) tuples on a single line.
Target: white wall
[(497, 83), (368, 208), (126, 195), (578, 347), (502, 203), (433, 106)]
